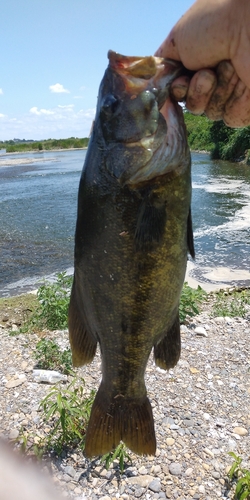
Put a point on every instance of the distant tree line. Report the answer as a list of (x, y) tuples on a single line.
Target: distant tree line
[(216, 138), (49, 144), (222, 142)]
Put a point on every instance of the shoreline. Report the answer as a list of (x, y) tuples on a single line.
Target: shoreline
[(216, 279), (8, 162)]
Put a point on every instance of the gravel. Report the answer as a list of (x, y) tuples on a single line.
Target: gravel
[(201, 411)]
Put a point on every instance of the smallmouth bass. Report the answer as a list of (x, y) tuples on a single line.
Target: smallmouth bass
[(133, 234)]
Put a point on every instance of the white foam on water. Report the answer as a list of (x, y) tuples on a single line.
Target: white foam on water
[(223, 185)]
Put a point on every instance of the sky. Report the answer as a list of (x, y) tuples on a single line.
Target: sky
[(53, 54)]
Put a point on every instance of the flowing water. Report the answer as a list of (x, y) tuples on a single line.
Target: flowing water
[(38, 199)]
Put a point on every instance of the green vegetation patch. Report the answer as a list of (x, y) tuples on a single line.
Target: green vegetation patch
[(53, 303), (49, 357), (235, 303), (190, 300), (47, 145), (223, 143), (240, 477)]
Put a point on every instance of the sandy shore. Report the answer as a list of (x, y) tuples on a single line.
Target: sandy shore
[(215, 278), (5, 161)]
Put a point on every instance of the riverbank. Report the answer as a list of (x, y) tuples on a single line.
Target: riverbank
[(200, 408), (5, 161)]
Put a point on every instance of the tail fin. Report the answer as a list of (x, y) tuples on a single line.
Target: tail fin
[(118, 419), (82, 343)]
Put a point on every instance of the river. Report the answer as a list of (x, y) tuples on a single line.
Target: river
[(38, 198)]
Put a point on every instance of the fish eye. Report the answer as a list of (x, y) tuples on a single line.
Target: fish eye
[(109, 104)]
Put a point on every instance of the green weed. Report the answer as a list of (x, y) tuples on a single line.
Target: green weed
[(50, 357), (53, 304), (232, 305), (67, 411), (242, 478), (65, 415), (190, 299), (120, 454)]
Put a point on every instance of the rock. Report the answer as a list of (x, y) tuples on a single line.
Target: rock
[(206, 416), (15, 382), (139, 492), (240, 431), (199, 330), (142, 481), (202, 489), (175, 469), (155, 485), (209, 452), (189, 472), (170, 441), (143, 471), (215, 474), (14, 433), (70, 471)]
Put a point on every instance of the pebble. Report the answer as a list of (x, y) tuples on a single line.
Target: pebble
[(14, 433), (197, 409), (240, 431), (199, 330), (170, 441), (155, 485), (141, 480), (175, 469)]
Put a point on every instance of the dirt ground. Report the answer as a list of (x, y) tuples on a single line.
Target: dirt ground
[(15, 310)]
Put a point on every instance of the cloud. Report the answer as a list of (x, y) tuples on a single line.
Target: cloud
[(59, 122), (36, 111), (1, 91), (67, 107), (58, 89), (1, 115)]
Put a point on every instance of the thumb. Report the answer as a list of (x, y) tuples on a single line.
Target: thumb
[(168, 48)]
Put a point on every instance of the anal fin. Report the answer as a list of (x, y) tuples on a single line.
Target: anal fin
[(82, 343), (118, 419), (167, 351)]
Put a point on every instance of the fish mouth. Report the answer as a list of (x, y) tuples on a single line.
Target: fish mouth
[(142, 73), (163, 147)]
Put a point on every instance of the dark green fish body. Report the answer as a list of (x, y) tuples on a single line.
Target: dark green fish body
[(132, 237)]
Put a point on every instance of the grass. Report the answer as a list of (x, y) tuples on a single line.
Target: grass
[(49, 357), (52, 307), (240, 477), (120, 453), (65, 412), (190, 300), (232, 304)]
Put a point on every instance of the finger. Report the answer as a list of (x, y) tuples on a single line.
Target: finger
[(227, 80), (179, 88), (200, 90), (237, 109)]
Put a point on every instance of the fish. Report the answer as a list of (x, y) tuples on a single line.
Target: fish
[(132, 238)]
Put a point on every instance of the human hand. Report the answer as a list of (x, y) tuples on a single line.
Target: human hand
[(213, 39)]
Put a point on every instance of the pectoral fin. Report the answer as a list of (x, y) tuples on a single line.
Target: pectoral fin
[(167, 351), (83, 345)]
